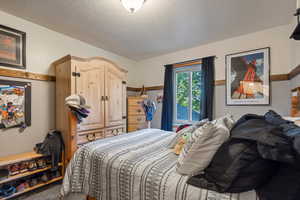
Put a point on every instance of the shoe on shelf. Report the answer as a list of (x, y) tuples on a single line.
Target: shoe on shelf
[(56, 174), (41, 163), (32, 165), (14, 169), (7, 190), (21, 187), (24, 166), (33, 182), (44, 178), (4, 173)]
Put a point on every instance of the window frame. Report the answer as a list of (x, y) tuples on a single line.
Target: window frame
[(194, 67)]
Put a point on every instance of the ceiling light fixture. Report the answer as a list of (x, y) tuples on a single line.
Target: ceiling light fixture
[(133, 5)]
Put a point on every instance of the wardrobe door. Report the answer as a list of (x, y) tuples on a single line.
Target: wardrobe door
[(113, 96), (90, 84)]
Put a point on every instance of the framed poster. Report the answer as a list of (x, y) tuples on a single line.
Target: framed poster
[(248, 78), (15, 104), (12, 48)]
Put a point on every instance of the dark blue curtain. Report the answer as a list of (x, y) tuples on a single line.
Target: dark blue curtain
[(208, 83), (167, 108)]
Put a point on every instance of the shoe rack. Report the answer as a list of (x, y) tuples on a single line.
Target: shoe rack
[(29, 156)]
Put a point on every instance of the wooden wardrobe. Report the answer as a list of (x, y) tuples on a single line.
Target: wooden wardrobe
[(103, 84)]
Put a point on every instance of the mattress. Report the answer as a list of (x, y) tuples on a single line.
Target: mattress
[(135, 166)]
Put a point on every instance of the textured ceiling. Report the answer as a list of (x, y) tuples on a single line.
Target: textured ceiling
[(160, 27)]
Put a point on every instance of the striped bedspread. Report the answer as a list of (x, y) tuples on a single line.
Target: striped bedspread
[(135, 166)]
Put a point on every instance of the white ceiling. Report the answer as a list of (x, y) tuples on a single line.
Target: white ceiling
[(160, 27)]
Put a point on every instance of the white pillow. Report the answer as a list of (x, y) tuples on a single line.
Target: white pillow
[(202, 146)]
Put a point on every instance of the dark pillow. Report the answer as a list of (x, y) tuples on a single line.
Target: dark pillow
[(284, 185), (236, 167)]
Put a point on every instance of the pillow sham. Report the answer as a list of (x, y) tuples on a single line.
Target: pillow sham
[(184, 131), (202, 146)]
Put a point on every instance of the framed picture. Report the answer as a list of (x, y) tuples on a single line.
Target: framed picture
[(248, 78), (15, 104), (12, 48)]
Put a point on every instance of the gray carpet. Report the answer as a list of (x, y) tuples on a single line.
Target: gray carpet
[(50, 192)]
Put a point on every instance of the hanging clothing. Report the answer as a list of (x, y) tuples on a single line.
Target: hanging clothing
[(53, 146), (149, 108)]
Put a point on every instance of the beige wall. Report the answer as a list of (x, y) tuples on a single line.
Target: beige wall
[(43, 47), (277, 38)]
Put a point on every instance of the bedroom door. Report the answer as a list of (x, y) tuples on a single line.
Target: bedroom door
[(90, 84), (113, 96)]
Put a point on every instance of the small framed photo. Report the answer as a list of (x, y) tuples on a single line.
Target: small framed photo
[(12, 48), (248, 78)]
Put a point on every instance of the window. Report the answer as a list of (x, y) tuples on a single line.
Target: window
[(187, 89)]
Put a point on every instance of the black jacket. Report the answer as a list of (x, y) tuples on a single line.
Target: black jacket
[(258, 148), (52, 146)]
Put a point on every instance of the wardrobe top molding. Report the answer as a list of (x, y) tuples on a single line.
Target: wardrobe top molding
[(70, 57)]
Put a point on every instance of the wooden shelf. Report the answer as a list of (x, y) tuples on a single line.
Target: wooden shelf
[(33, 188), (28, 173), (7, 160)]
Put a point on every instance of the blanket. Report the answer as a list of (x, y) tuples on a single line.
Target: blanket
[(134, 166)]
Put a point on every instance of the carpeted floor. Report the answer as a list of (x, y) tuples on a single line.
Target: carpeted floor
[(50, 192)]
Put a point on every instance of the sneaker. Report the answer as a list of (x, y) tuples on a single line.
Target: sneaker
[(33, 182), (4, 173), (24, 167), (44, 178), (41, 163), (32, 166), (14, 169), (7, 190)]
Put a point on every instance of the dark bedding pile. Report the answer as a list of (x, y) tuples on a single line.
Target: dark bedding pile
[(262, 153)]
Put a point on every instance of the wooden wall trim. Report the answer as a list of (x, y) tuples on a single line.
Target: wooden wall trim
[(279, 77), (295, 72), (220, 82), (133, 89), (275, 77), (44, 77), (25, 75)]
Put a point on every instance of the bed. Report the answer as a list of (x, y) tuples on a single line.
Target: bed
[(135, 166)]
